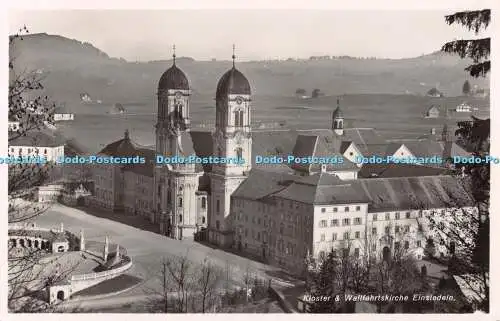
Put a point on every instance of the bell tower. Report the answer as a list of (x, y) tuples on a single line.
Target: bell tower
[(338, 120), (232, 140)]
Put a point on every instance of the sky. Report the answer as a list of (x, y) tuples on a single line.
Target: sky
[(257, 34)]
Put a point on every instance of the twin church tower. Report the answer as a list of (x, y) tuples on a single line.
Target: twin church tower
[(191, 197), (183, 208)]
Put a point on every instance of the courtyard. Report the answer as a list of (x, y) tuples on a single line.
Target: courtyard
[(147, 249)]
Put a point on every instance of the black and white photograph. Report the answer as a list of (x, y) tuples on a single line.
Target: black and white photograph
[(201, 161)]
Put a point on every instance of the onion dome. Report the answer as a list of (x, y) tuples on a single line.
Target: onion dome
[(173, 78), (233, 82)]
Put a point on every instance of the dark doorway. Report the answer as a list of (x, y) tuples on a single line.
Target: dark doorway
[(60, 248), (60, 295), (386, 253)]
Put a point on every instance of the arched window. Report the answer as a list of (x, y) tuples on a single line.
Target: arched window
[(239, 152), (180, 218), (236, 119), (217, 225), (180, 201), (241, 118), (169, 197), (219, 152), (203, 220), (203, 203)]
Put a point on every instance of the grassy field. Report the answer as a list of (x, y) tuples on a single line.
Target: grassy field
[(394, 116)]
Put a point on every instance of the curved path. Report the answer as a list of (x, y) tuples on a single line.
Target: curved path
[(147, 248)]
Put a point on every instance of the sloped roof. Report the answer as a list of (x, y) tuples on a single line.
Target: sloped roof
[(367, 140), (146, 169), (261, 183), (405, 193), (429, 148), (399, 170), (325, 145), (121, 148), (322, 188), (433, 109), (36, 138)]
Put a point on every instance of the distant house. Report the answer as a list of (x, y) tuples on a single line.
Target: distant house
[(463, 108), (13, 126), (432, 112), (85, 97), (63, 114), (433, 92), (37, 143)]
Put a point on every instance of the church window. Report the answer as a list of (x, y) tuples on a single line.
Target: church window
[(203, 220), (180, 218), (217, 225), (180, 201), (203, 203), (169, 197), (236, 119), (217, 209), (241, 118), (239, 153)]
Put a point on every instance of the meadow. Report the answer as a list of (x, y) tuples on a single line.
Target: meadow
[(394, 116)]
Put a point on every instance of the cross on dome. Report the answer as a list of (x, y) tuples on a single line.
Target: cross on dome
[(234, 56)]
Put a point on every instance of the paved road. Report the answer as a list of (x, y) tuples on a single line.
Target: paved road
[(147, 248)]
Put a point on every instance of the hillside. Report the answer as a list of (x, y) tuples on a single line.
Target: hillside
[(71, 67)]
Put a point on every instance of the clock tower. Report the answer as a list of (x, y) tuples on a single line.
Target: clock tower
[(232, 139)]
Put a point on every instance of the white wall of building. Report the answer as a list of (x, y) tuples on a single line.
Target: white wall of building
[(50, 153)]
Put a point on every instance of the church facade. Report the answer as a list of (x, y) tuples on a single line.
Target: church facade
[(280, 213)]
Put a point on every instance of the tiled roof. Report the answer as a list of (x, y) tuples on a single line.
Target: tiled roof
[(326, 145), (70, 187), (405, 193), (46, 235), (399, 170), (429, 148), (121, 148), (322, 188), (146, 169), (36, 138), (261, 183)]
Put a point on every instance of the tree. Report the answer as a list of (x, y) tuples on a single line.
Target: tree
[(466, 88), (300, 92), (316, 93), (471, 233), (32, 110), (476, 49), (324, 286), (208, 279)]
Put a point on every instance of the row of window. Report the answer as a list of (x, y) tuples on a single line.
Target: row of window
[(345, 222), (35, 150), (345, 252), (397, 215), (345, 236), (346, 209)]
